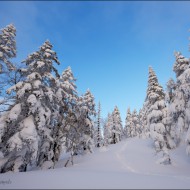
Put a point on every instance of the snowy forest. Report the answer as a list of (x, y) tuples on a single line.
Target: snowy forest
[(42, 115)]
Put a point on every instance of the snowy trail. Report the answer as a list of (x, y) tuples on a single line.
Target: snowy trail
[(122, 159), (128, 164)]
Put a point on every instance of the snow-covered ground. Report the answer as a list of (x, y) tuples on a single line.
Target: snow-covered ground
[(131, 163)]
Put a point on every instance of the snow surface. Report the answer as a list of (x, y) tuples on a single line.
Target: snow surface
[(131, 163)]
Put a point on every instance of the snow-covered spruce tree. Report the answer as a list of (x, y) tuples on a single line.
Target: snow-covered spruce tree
[(170, 131), (158, 131), (9, 74), (89, 112), (73, 129), (108, 130), (117, 129), (84, 124), (138, 127), (180, 106), (67, 96), (143, 122), (7, 48), (98, 135), (170, 91), (135, 123), (177, 101), (27, 138), (128, 124), (169, 118)]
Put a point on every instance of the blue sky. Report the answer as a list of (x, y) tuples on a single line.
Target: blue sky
[(108, 44)]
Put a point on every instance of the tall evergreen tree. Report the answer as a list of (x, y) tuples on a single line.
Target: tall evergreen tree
[(86, 110), (98, 135), (169, 120), (67, 96), (177, 96), (156, 97), (27, 138), (180, 104)]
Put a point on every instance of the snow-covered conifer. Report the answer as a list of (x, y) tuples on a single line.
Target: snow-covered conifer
[(7, 47), (108, 130), (83, 124), (98, 135), (9, 74), (135, 123), (88, 110), (128, 124), (28, 138), (169, 119), (117, 129), (67, 96), (158, 132), (180, 106), (143, 122), (178, 103), (144, 119)]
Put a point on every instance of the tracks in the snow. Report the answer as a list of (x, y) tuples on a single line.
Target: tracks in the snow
[(120, 155)]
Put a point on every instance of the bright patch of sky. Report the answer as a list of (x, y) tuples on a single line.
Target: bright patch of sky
[(108, 44)]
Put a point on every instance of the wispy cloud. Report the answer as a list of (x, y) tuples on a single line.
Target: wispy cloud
[(155, 19)]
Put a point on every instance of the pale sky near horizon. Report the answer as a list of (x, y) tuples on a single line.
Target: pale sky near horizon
[(108, 44)]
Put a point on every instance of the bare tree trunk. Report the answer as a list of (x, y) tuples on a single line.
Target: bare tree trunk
[(67, 162)]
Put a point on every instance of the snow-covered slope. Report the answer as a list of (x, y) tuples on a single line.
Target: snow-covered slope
[(131, 163)]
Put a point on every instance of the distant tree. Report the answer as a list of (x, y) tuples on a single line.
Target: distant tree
[(128, 124), (143, 131), (134, 123), (144, 118), (108, 130), (117, 129), (98, 135)]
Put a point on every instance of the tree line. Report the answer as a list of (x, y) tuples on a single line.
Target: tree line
[(42, 114)]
